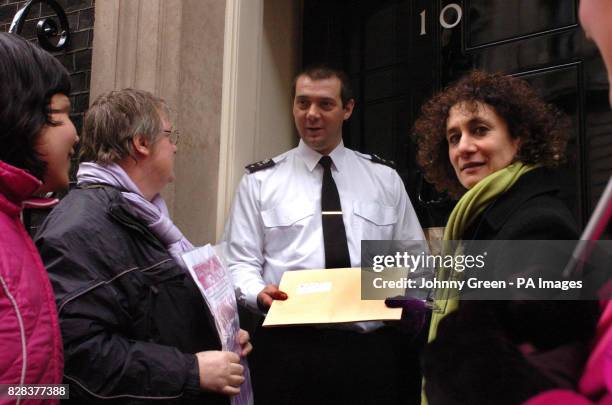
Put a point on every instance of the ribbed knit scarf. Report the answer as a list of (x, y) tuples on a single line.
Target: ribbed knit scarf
[(152, 213)]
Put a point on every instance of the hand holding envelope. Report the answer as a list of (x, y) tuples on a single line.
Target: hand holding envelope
[(325, 296), (269, 294), (414, 313)]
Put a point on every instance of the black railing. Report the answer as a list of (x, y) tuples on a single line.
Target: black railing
[(50, 37)]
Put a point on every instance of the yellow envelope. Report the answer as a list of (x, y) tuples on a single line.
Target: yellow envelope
[(326, 296)]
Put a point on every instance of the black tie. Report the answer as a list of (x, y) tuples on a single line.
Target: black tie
[(334, 235)]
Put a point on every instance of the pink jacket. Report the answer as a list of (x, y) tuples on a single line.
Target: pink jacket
[(595, 386), (30, 341)]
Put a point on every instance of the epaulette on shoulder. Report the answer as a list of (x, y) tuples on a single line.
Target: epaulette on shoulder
[(261, 165), (386, 162)]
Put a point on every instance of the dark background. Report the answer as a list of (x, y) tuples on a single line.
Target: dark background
[(394, 69)]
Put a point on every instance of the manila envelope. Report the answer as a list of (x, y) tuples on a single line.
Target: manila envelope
[(325, 296)]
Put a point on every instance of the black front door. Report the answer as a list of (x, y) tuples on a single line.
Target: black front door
[(399, 52)]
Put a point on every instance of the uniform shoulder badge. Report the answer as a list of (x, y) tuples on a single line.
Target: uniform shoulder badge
[(377, 159), (261, 165)]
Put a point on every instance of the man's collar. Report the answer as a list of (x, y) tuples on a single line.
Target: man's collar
[(311, 157)]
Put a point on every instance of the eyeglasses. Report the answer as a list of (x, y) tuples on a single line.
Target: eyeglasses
[(173, 136)]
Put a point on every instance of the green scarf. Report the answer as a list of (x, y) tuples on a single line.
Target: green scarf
[(468, 208)]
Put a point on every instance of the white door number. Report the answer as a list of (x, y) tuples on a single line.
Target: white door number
[(443, 17)]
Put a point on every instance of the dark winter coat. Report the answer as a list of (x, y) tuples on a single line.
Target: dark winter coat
[(131, 318)]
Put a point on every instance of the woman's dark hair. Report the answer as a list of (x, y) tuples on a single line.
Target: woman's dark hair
[(541, 127), (30, 77)]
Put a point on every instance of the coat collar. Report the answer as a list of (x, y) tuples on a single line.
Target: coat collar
[(16, 189), (531, 184)]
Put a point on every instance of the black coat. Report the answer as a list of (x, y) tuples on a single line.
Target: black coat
[(131, 318), (530, 210), (504, 352)]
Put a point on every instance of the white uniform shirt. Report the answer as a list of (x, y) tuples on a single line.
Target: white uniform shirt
[(275, 223)]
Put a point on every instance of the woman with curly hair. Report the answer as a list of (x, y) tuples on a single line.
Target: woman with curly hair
[(531, 131), (491, 142)]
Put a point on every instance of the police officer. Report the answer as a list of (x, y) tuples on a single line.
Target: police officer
[(309, 208)]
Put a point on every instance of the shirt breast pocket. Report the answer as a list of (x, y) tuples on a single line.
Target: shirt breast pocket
[(284, 224), (373, 220)]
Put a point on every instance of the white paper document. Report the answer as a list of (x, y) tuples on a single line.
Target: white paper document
[(213, 280)]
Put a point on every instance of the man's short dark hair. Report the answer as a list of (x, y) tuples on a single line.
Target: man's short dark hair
[(322, 71), (30, 77)]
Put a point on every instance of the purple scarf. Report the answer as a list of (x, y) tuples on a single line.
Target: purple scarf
[(153, 213)]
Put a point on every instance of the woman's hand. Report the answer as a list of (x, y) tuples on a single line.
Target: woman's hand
[(244, 340), (220, 372), (414, 314)]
